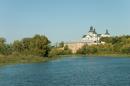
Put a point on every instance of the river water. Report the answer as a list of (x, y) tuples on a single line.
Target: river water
[(69, 71)]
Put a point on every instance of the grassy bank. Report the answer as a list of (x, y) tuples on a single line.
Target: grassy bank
[(11, 59), (107, 55)]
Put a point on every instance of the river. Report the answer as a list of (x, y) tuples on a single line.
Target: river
[(69, 71)]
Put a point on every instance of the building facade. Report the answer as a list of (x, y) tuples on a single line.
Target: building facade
[(93, 37)]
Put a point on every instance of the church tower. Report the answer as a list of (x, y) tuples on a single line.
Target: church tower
[(107, 33), (94, 31), (91, 29)]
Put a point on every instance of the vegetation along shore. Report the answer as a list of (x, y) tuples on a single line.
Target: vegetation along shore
[(38, 49)]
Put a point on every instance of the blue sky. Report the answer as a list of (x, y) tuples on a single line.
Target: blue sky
[(62, 20)]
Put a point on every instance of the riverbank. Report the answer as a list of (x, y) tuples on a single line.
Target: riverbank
[(107, 55), (13, 59), (97, 55)]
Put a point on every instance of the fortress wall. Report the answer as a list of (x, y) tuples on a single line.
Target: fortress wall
[(75, 46)]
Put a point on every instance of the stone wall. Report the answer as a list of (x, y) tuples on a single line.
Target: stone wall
[(75, 46)]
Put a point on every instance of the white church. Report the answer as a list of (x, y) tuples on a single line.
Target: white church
[(93, 37)]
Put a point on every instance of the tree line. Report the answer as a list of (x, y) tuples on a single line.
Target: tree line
[(39, 48), (38, 45)]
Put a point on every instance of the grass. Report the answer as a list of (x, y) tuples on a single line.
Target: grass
[(11, 59), (16, 59), (101, 54), (114, 55)]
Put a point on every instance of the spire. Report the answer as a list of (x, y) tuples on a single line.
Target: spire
[(94, 31), (107, 33), (91, 29)]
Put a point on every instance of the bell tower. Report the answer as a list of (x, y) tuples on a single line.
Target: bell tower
[(107, 33)]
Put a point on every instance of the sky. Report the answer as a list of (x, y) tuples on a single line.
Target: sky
[(62, 20)]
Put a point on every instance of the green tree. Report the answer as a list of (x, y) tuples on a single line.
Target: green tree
[(125, 49), (61, 44), (82, 50), (18, 46), (66, 50), (40, 45), (55, 52), (26, 43)]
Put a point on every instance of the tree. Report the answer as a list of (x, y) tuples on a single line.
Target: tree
[(2, 42), (7, 50), (82, 50), (55, 52), (125, 49), (66, 47), (26, 43), (2, 45), (106, 39), (61, 44), (18, 46), (40, 45), (66, 50)]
